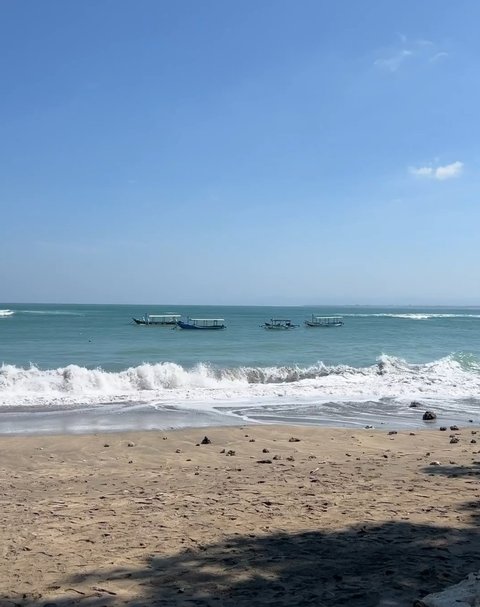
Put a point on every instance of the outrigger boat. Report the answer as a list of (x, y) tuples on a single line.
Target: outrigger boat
[(279, 324), (202, 323), (324, 321), (158, 319)]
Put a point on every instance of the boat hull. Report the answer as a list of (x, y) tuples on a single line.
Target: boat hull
[(188, 326), (141, 321), (308, 323)]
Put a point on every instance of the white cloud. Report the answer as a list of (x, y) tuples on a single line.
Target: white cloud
[(392, 63), (448, 171), (422, 171), (438, 56), (421, 50)]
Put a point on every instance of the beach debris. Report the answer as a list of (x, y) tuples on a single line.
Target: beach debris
[(464, 594), (414, 404), (290, 458), (230, 452), (178, 450), (293, 439), (473, 441), (106, 445), (443, 428), (412, 433), (222, 451), (277, 457), (434, 463), (130, 444), (392, 432), (265, 450), (454, 440), (429, 416), (369, 427), (264, 461), (454, 428), (252, 440), (164, 437), (205, 441)]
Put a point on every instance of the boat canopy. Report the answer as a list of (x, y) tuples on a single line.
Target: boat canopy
[(164, 315), (324, 321), (336, 318)]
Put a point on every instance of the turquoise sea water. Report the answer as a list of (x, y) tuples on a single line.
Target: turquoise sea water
[(90, 366)]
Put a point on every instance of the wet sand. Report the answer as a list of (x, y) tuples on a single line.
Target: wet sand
[(334, 517)]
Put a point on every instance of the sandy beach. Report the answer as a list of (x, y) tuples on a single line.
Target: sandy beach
[(262, 515)]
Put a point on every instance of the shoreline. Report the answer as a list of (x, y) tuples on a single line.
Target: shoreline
[(114, 418), (296, 515)]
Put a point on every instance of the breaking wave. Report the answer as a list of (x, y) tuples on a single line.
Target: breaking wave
[(453, 377), (413, 315)]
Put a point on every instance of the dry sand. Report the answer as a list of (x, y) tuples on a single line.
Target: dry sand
[(339, 517)]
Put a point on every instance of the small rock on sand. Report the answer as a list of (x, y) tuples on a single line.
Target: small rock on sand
[(206, 441)]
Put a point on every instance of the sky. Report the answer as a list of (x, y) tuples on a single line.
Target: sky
[(240, 152)]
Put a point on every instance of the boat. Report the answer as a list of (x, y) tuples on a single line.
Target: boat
[(7, 312), (279, 324), (202, 323), (158, 319), (324, 321)]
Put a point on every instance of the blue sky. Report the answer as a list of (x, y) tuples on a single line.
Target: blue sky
[(253, 152)]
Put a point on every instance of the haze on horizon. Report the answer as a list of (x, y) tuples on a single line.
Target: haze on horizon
[(250, 153)]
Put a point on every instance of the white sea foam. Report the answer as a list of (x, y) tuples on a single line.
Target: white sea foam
[(412, 315), (7, 313), (447, 379), (53, 312)]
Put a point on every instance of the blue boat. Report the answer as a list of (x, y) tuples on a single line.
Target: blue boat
[(158, 319), (202, 324)]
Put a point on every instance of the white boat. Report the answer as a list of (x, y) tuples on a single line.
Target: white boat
[(279, 324), (158, 319), (7, 312), (324, 321)]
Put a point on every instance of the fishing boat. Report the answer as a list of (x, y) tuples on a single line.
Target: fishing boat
[(202, 324), (324, 321), (158, 319), (279, 324), (7, 312)]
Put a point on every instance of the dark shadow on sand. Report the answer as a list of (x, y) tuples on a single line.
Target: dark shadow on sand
[(368, 566)]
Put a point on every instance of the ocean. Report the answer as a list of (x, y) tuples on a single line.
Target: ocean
[(89, 368)]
